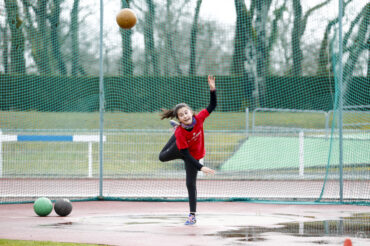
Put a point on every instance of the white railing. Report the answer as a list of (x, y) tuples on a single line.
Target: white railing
[(327, 115), (89, 139), (324, 113), (354, 109)]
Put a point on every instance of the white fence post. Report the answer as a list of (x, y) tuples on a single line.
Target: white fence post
[(247, 121), (301, 154), (90, 160)]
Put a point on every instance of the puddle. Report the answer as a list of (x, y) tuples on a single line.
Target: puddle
[(357, 226), (59, 224), (250, 234)]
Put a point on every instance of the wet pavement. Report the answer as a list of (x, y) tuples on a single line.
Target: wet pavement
[(218, 223)]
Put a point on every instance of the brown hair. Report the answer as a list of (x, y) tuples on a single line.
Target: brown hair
[(172, 113)]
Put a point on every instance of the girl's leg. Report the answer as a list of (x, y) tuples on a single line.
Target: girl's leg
[(191, 185), (170, 151)]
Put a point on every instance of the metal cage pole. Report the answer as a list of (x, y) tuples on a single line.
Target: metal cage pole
[(101, 101), (340, 106)]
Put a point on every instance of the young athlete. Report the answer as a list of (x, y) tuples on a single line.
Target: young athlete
[(187, 143)]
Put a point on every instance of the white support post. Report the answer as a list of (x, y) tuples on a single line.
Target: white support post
[(301, 154), (247, 121), (90, 139), (301, 227), (90, 160)]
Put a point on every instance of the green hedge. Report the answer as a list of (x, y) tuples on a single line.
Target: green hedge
[(147, 94)]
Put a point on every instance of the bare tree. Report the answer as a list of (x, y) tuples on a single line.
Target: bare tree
[(324, 68), (171, 18), (361, 43), (368, 58), (170, 25), (252, 45), (74, 26), (43, 52), (278, 15), (324, 60), (174, 25), (43, 28), (5, 49), (243, 26), (243, 60), (296, 41), (54, 36), (299, 27), (151, 57), (262, 9), (193, 39), (17, 61), (32, 33)]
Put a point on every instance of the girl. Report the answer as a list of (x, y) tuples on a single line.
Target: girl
[(187, 143)]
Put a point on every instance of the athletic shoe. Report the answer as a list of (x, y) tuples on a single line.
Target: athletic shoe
[(191, 220), (174, 123)]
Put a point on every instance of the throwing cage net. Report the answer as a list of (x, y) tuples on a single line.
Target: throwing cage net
[(80, 99)]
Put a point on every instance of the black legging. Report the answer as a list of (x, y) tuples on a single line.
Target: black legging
[(171, 152)]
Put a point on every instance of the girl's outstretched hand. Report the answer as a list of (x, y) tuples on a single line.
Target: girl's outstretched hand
[(211, 82), (207, 170)]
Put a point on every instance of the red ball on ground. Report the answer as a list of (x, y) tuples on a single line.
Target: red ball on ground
[(347, 242)]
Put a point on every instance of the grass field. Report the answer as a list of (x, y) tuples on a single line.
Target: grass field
[(134, 141), (124, 153), (217, 121)]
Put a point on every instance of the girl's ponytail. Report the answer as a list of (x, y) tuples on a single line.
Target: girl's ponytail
[(167, 113)]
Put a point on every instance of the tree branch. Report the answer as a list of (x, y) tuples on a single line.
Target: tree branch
[(308, 13), (365, 10)]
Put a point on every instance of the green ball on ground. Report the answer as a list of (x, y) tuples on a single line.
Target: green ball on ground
[(43, 206), (63, 207)]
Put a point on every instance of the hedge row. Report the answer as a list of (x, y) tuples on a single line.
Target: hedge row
[(147, 94)]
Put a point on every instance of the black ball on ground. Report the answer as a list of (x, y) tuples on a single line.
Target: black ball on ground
[(63, 207)]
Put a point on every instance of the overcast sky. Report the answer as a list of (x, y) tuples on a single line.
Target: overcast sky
[(222, 11)]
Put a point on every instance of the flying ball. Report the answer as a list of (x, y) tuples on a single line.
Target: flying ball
[(126, 18), (63, 207), (43, 206)]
